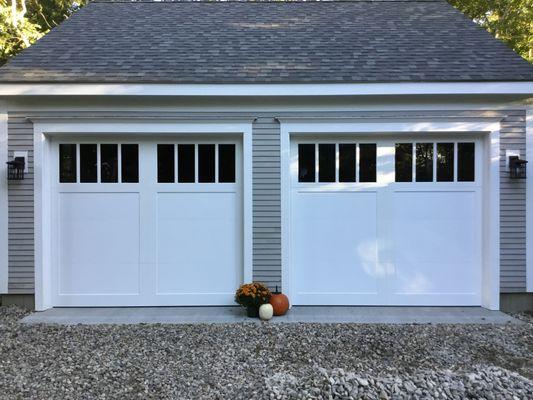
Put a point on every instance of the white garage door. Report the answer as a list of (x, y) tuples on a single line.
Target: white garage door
[(386, 222), (146, 222)]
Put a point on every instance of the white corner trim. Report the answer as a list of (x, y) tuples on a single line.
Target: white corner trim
[(489, 127), (491, 222), (529, 199), (43, 131), (4, 205), (326, 89)]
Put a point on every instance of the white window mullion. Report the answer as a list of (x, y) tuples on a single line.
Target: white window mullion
[(316, 163), (98, 163), (357, 161), (337, 162), (196, 163), (176, 163), (119, 163), (435, 162), (216, 162), (455, 161), (414, 163), (78, 163)]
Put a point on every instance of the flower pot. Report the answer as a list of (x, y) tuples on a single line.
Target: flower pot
[(252, 311)]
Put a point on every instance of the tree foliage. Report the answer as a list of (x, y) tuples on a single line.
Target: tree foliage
[(508, 20), (22, 22)]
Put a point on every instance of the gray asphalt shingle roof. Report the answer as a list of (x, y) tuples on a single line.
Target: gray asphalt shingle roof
[(267, 42)]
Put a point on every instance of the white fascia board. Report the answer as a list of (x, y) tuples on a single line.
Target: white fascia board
[(3, 200), (334, 89)]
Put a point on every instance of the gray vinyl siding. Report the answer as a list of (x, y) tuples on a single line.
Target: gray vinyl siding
[(512, 207), (266, 201), (20, 224), (266, 194)]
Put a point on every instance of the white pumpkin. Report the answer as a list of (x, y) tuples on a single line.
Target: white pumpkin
[(266, 311)]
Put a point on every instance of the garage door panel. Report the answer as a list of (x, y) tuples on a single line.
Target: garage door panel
[(99, 242), (395, 222), (146, 223), (197, 243), (334, 235), (436, 237)]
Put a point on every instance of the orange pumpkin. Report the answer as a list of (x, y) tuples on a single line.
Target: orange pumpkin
[(279, 302)]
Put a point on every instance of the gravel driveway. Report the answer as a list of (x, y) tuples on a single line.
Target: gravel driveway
[(266, 361)]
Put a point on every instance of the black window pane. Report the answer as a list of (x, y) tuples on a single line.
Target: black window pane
[(226, 163), (165, 163), (347, 162), (445, 162), (67, 163), (326, 162), (88, 163), (186, 163), (109, 163), (367, 163), (424, 162), (130, 163), (206, 163), (466, 162), (306, 163), (403, 160)]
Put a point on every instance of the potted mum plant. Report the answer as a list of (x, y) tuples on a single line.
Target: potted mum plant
[(252, 296)]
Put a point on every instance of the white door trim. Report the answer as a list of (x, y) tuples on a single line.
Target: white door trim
[(529, 199), (4, 207), (43, 130), (489, 127)]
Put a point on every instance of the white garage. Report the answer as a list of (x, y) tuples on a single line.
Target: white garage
[(386, 220), (146, 221)]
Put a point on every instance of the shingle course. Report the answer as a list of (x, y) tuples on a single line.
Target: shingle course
[(267, 42)]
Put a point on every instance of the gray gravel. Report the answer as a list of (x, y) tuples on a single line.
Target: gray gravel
[(266, 361)]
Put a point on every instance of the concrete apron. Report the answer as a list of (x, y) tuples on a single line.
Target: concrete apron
[(300, 314)]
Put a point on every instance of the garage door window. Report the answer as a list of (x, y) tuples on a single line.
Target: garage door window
[(104, 163), (466, 162), (435, 162), (206, 163), (88, 163), (445, 162), (109, 163), (186, 163), (130, 163), (336, 162), (347, 162), (424, 162), (326, 162), (367, 162), (196, 163), (226, 163), (404, 162), (67, 163)]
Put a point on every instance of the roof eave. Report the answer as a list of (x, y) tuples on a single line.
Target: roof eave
[(268, 90)]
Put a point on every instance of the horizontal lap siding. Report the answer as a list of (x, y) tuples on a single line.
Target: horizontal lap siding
[(266, 202), (512, 207), (266, 195), (20, 220)]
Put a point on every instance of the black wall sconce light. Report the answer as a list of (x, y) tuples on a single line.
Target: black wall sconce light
[(517, 168), (15, 169)]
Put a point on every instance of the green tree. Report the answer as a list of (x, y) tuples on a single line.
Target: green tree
[(508, 20), (22, 22)]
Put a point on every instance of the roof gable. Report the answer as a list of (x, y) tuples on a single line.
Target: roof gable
[(267, 42)]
